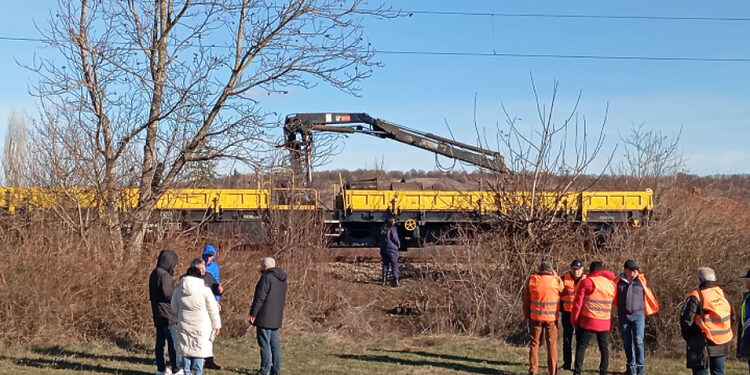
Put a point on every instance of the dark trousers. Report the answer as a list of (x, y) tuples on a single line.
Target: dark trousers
[(166, 334), (568, 330), (270, 350), (390, 262), (582, 342), (716, 364)]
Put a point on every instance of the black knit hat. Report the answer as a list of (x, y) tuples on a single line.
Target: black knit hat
[(596, 266), (576, 263), (631, 265)]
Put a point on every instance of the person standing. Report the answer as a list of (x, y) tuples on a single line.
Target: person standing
[(198, 320), (743, 338), (160, 293), (389, 245), (570, 281), (591, 314), (267, 314), (212, 278), (541, 302), (706, 325), (635, 300)]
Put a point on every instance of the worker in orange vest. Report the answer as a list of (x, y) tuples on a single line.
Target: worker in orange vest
[(541, 306), (706, 323), (570, 281), (635, 301), (591, 314)]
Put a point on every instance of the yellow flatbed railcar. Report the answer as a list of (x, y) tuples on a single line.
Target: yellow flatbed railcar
[(423, 216)]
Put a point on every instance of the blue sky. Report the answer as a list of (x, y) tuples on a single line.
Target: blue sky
[(709, 101)]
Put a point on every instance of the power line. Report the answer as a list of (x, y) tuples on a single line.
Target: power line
[(562, 56), (591, 16), (505, 54)]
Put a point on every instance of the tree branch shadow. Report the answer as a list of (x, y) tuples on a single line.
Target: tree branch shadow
[(51, 364), (453, 357), (411, 362), (57, 351)]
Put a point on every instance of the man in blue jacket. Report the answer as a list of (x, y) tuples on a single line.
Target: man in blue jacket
[(212, 280)]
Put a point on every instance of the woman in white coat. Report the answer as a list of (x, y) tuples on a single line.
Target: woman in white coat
[(198, 319)]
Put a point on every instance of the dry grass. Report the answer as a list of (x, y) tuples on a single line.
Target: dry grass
[(66, 287)]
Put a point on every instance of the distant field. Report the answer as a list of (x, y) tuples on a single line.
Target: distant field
[(312, 354)]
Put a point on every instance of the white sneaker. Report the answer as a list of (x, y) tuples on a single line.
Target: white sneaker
[(179, 372), (165, 372)]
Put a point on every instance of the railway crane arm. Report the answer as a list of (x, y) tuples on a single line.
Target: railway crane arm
[(298, 130)]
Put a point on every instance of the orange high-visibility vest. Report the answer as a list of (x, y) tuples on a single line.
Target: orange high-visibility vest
[(570, 291), (650, 304), (598, 304), (715, 318), (544, 297)]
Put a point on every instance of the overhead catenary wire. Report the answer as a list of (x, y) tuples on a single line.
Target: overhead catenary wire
[(500, 54)]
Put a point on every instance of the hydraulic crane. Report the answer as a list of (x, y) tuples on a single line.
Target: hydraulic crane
[(302, 125)]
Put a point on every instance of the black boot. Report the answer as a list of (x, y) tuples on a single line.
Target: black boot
[(385, 281), (396, 283)]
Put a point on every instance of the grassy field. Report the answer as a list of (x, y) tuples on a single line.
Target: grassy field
[(321, 355)]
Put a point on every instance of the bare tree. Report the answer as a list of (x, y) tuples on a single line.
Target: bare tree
[(651, 157), (16, 148), (145, 88), (549, 160)]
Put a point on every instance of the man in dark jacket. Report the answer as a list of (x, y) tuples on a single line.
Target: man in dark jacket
[(631, 317), (706, 323), (160, 292), (389, 245), (267, 313), (743, 337)]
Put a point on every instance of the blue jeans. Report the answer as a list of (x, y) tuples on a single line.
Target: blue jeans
[(716, 364), (632, 329), (270, 350), (192, 365), (166, 334)]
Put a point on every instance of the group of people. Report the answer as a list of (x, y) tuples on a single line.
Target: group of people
[(187, 318), (586, 303)]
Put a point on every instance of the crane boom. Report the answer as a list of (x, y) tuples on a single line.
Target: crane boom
[(303, 124)]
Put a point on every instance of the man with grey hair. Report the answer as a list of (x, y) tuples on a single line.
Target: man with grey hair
[(267, 313), (706, 323)]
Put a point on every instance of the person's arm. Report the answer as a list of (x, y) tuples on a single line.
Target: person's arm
[(166, 286), (175, 302), (260, 296), (687, 316), (583, 288), (526, 300), (213, 311), (394, 237)]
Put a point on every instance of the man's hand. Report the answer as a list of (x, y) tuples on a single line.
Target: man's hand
[(220, 288), (252, 319), (216, 331)]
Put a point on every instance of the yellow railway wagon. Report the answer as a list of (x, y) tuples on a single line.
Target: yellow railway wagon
[(596, 204), (14, 199), (426, 216)]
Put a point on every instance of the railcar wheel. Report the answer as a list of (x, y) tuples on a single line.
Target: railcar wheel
[(410, 225)]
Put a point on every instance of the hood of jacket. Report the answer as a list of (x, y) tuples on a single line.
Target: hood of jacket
[(190, 285), (208, 250), (606, 273), (277, 273), (167, 260)]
